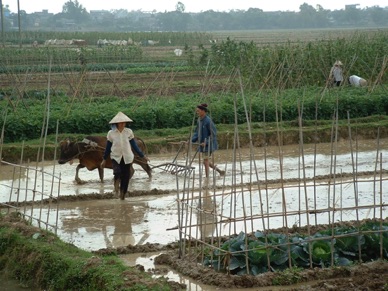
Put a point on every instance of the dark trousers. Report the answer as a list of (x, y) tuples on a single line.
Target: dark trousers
[(123, 172)]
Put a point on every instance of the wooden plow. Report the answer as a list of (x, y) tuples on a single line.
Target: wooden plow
[(175, 168)]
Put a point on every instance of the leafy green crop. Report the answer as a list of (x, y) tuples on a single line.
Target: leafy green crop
[(24, 119), (295, 64), (254, 253)]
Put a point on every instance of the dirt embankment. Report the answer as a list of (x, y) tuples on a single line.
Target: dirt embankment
[(121, 84)]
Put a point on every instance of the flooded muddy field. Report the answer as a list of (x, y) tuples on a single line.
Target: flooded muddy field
[(149, 214), (319, 161)]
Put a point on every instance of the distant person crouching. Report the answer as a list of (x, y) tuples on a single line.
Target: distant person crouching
[(357, 81)]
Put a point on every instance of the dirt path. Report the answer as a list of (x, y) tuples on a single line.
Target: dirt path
[(118, 83)]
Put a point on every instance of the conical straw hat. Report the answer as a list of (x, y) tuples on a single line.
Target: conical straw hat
[(120, 117)]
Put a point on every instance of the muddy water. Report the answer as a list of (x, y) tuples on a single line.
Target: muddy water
[(92, 225), (147, 261), (240, 166)]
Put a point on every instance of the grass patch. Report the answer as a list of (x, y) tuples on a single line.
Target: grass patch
[(38, 258)]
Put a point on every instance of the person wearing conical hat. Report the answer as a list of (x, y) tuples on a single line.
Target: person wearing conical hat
[(357, 81), (119, 146), (336, 73)]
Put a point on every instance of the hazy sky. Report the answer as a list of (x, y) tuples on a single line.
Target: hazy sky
[(55, 6)]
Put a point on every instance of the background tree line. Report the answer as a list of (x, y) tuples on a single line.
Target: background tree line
[(76, 17)]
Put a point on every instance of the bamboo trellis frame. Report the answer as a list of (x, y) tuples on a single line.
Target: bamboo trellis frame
[(195, 216)]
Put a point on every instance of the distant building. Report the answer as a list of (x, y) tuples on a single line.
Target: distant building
[(351, 6), (44, 14), (99, 15), (41, 17)]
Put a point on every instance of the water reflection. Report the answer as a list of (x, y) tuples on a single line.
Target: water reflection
[(122, 234), (147, 261), (207, 213), (102, 224), (98, 224)]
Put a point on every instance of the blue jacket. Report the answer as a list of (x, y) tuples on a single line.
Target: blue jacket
[(206, 132)]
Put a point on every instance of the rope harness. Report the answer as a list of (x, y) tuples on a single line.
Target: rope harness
[(93, 146)]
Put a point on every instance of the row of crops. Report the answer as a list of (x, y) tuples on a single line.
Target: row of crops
[(26, 38), (275, 66), (260, 252), (22, 119), (272, 77), (301, 64), (16, 59)]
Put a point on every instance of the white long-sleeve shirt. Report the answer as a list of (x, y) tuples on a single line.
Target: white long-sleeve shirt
[(355, 80), (121, 148)]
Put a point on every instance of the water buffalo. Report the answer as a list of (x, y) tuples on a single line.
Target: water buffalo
[(90, 151)]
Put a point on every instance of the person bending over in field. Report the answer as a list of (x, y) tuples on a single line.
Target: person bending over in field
[(357, 81)]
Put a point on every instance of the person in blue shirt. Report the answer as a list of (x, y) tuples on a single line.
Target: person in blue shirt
[(205, 134)]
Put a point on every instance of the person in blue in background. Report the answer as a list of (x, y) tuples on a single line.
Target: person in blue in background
[(119, 146), (205, 134)]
